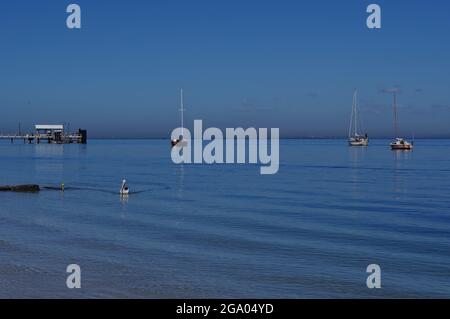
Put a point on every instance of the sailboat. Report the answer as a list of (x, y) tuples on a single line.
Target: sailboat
[(399, 143), (354, 138), (179, 141)]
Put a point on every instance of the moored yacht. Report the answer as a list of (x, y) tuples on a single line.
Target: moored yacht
[(399, 143), (354, 138), (179, 141)]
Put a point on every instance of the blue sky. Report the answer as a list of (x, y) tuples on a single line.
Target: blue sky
[(286, 64)]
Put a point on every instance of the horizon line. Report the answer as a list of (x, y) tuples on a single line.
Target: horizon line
[(281, 138)]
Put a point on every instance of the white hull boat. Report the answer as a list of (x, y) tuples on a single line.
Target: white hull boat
[(401, 144), (358, 141)]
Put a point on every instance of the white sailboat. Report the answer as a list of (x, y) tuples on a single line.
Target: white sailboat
[(180, 141), (354, 138), (399, 143)]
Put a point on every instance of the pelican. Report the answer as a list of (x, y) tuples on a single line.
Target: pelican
[(124, 190)]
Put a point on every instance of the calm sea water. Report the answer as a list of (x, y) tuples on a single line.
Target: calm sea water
[(224, 230)]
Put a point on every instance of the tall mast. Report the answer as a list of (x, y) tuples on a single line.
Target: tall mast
[(182, 115), (353, 116), (395, 114), (356, 112)]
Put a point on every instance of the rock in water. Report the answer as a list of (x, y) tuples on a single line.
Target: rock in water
[(20, 188)]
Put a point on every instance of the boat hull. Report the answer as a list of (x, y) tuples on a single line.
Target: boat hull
[(358, 142), (401, 145), (178, 143)]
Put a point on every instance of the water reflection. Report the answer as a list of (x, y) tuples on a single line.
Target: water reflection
[(356, 155), (49, 160), (49, 150), (179, 195), (124, 199), (179, 173), (400, 173)]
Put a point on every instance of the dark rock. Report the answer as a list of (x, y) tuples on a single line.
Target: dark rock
[(20, 188)]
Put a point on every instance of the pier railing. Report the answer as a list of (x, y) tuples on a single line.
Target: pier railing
[(80, 138)]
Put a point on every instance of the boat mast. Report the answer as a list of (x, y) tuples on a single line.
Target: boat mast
[(395, 114), (182, 115), (356, 111), (353, 116)]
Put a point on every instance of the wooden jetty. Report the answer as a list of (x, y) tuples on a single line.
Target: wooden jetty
[(52, 134)]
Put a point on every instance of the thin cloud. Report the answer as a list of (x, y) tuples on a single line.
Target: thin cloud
[(376, 108), (312, 95), (394, 89), (440, 107), (250, 104)]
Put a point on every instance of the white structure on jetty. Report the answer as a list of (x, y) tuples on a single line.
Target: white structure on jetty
[(49, 128)]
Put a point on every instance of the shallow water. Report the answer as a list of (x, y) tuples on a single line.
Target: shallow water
[(225, 230)]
